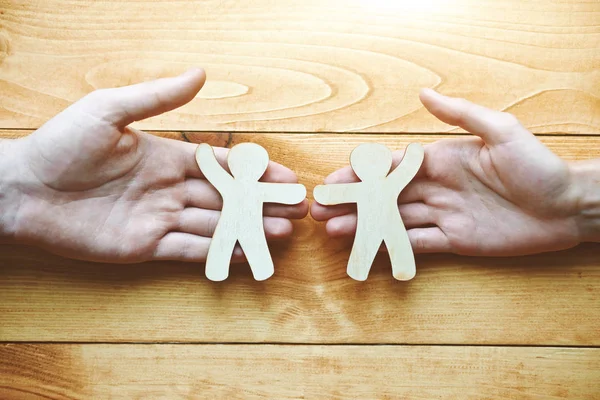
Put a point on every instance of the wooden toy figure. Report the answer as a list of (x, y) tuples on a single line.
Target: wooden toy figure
[(241, 218), (376, 197)]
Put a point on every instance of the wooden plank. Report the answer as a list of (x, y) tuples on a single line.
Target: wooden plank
[(544, 299), (293, 372), (317, 65)]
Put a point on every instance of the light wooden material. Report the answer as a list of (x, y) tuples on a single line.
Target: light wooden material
[(241, 218), (310, 66), (297, 372), (547, 299), (315, 65), (376, 198)]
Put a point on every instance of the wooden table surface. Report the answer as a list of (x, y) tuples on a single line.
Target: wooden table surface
[(309, 81)]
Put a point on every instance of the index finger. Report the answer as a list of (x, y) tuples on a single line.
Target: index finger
[(275, 172), (279, 174)]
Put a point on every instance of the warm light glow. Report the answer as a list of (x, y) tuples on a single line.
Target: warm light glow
[(408, 5)]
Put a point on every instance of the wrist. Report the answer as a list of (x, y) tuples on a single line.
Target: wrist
[(586, 185), (11, 195)]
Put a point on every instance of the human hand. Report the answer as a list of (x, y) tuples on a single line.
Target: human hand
[(500, 194), (88, 186)]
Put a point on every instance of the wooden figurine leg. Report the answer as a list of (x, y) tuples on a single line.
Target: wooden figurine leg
[(254, 245), (401, 254), (364, 250), (219, 256)]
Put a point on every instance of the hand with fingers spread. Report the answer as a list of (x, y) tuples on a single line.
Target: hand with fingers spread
[(87, 186), (502, 193)]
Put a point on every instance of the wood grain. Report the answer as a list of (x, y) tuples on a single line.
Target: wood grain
[(549, 298), (310, 66), (294, 372), (241, 219), (376, 199), (326, 65)]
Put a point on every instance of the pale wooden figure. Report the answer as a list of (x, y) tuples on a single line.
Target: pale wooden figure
[(241, 218), (376, 197)]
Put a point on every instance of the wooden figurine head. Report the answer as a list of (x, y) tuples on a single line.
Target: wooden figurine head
[(371, 161), (248, 161)]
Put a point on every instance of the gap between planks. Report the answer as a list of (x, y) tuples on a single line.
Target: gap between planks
[(557, 134), (307, 344)]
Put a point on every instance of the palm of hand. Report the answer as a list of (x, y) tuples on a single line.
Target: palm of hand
[(502, 193), (116, 186), (504, 200), (101, 191)]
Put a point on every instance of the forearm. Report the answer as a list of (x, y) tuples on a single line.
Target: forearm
[(586, 175)]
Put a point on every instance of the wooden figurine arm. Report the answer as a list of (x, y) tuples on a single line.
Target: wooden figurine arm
[(337, 193), (210, 167), (408, 167), (283, 193)]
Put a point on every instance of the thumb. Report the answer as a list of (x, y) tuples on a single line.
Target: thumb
[(493, 127), (124, 105)]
